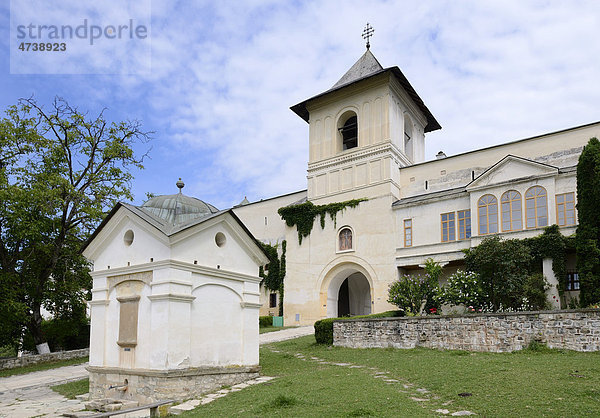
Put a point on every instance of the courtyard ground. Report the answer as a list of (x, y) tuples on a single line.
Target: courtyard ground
[(315, 380), (29, 395)]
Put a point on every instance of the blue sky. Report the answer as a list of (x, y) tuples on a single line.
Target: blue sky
[(224, 74)]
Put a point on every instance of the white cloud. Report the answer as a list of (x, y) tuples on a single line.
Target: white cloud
[(225, 73)]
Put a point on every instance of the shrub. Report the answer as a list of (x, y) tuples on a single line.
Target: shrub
[(503, 268), (410, 292), (324, 327), (265, 321), (324, 331), (464, 288), (7, 351), (534, 292)]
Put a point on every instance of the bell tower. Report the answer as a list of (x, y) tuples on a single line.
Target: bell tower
[(363, 130)]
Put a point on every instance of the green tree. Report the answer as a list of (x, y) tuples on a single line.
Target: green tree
[(588, 230), (60, 171), (503, 268)]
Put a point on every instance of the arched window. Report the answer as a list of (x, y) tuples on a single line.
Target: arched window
[(536, 205), (488, 214), (349, 132), (512, 218), (345, 239)]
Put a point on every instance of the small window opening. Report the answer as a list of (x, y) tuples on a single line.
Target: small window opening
[(272, 300), (265, 220), (220, 239), (572, 280), (128, 237), (349, 133), (472, 175), (426, 185)]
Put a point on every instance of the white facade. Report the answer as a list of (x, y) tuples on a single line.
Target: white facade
[(413, 207)]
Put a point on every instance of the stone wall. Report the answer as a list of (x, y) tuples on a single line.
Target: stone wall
[(146, 386), (11, 363), (577, 330)]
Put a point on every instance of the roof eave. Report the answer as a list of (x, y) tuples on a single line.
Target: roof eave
[(432, 124)]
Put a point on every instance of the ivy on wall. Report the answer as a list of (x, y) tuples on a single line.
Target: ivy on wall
[(304, 214), (275, 271), (552, 244)]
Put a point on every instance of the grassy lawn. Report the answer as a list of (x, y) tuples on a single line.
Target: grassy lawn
[(264, 330), (72, 389), (527, 383), (42, 366)]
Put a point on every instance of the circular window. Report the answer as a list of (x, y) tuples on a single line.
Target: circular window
[(128, 237), (220, 239)]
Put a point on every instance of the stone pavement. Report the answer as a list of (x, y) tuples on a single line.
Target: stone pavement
[(29, 395), (286, 334)]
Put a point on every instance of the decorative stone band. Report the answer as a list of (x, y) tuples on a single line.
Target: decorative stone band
[(250, 305), (365, 153), (148, 386), (101, 302), (172, 297), (181, 265), (125, 299)]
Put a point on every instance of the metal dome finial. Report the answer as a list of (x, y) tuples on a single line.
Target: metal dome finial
[(180, 184)]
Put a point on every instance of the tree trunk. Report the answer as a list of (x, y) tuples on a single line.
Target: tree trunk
[(35, 327)]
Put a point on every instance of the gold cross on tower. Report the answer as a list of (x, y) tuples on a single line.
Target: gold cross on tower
[(367, 33)]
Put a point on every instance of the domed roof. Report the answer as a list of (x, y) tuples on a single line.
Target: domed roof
[(178, 208)]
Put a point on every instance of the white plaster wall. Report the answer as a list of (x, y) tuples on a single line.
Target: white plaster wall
[(310, 265), (271, 230), (216, 326), (200, 248), (115, 253)]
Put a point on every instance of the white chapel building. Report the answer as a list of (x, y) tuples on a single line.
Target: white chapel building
[(175, 298), (367, 140)]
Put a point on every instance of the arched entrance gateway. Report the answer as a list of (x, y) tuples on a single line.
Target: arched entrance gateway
[(354, 296), (347, 289)]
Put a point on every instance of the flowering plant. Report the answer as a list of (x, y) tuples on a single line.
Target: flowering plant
[(410, 293), (464, 288)]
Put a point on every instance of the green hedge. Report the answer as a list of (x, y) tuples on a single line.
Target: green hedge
[(265, 321), (324, 327)]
